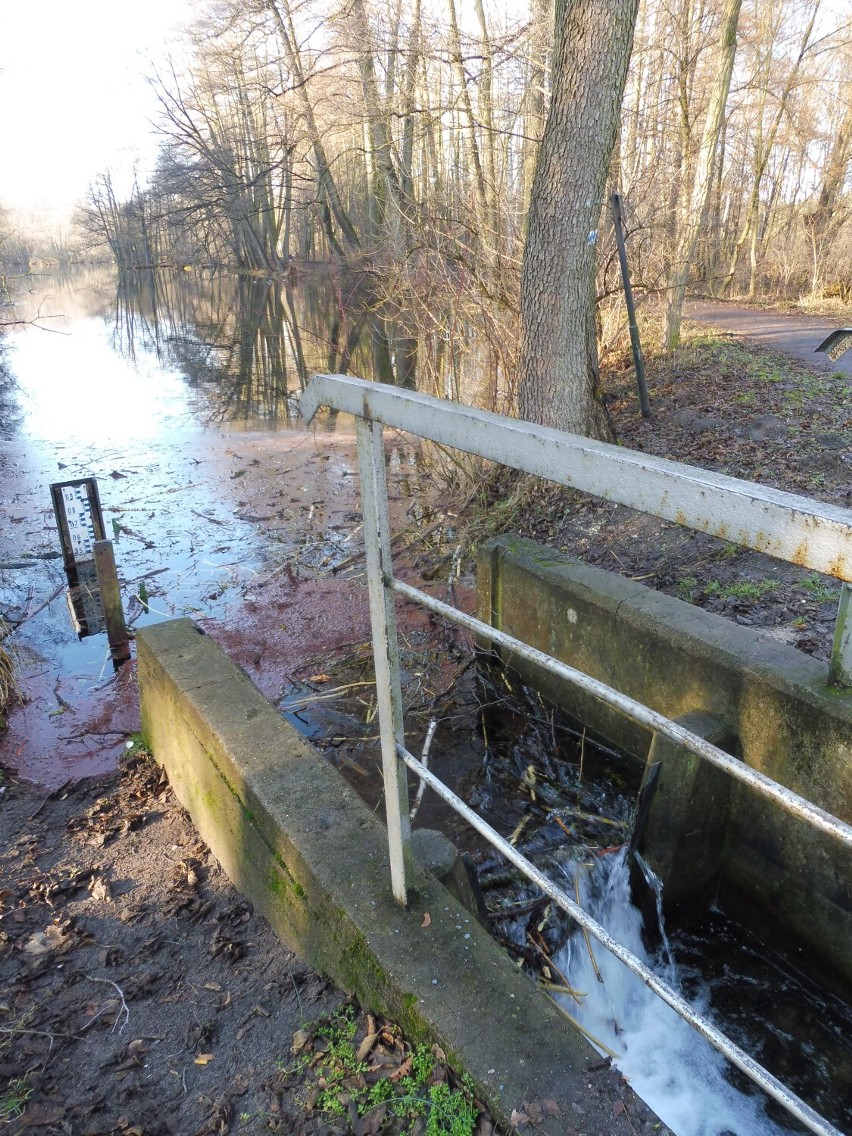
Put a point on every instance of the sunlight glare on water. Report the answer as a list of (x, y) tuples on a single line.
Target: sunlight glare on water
[(74, 386)]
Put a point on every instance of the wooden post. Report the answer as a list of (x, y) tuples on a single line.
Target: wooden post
[(119, 643)]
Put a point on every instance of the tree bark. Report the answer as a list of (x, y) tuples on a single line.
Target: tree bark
[(559, 356), (765, 141)]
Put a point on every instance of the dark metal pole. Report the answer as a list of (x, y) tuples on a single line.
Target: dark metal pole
[(639, 362)]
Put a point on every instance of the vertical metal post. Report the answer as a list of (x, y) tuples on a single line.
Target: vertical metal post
[(638, 361), (374, 499), (840, 667), (116, 627)]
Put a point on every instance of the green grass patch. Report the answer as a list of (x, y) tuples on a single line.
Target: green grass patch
[(14, 1099), (817, 588), (357, 1069), (742, 589)]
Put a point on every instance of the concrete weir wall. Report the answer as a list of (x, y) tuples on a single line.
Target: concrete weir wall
[(313, 858), (756, 698)]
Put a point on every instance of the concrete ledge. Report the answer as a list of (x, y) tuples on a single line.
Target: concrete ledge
[(292, 836)]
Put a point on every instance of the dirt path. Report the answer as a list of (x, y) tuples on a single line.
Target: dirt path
[(794, 334)]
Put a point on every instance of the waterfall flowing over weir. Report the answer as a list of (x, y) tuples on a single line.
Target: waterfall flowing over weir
[(680, 1075)]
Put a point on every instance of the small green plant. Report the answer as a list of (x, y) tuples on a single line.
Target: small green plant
[(338, 1065), (340, 1027), (687, 587), (135, 747), (14, 1100), (742, 590), (422, 1064), (451, 1113), (817, 588), (422, 1092), (729, 551)]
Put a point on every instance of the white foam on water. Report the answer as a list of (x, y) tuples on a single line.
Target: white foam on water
[(670, 1066)]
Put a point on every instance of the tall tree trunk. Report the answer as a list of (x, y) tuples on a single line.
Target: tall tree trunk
[(823, 222), (380, 148), (764, 143), (559, 356), (691, 223), (411, 66), (470, 133)]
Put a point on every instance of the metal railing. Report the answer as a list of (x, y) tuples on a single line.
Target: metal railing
[(805, 532)]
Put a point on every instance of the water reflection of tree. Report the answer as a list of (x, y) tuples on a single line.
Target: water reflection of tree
[(247, 345), (225, 335), (361, 333), (10, 411)]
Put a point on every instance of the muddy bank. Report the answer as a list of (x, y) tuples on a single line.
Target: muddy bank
[(129, 966)]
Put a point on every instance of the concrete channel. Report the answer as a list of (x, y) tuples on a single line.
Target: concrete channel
[(295, 838), (762, 701)]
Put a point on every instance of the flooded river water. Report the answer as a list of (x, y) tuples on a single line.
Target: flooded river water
[(215, 497)]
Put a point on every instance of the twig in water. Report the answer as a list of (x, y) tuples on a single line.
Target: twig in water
[(598, 974), (575, 994), (64, 705), (557, 989), (32, 614), (117, 988), (449, 689), (424, 760), (594, 1040), (561, 824), (516, 910), (326, 696)]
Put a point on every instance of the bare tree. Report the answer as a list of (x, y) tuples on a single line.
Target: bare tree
[(693, 216)]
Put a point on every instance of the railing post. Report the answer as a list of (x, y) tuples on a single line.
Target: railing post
[(840, 667), (374, 500)]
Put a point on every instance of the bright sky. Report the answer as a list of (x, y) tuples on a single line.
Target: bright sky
[(73, 97)]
